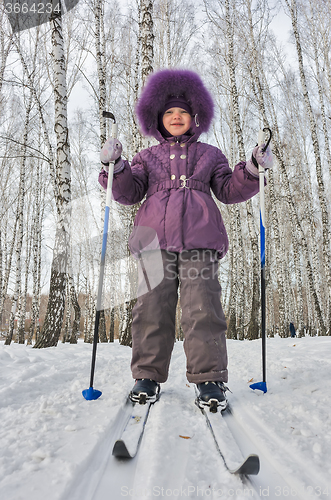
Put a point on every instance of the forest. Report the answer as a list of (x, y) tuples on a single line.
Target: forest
[(57, 78)]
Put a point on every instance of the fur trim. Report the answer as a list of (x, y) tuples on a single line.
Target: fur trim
[(164, 83)]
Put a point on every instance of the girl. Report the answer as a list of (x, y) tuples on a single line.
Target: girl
[(177, 177)]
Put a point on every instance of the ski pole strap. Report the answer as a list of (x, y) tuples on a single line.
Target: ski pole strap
[(255, 162), (268, 141)]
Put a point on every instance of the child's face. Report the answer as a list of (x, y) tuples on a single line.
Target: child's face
[(177, 121)]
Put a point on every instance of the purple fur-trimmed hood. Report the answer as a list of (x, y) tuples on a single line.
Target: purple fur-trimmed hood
[(168, 82)]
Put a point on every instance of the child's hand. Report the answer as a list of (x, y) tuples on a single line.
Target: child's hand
[(265, 159), (111, 150)]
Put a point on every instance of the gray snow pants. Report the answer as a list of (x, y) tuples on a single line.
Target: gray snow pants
[(203, 321)]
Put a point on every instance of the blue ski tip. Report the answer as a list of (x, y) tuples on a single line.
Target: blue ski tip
[(261, 386), (90, 394)]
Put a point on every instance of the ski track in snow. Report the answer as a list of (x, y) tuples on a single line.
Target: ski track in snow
[(57, 445)]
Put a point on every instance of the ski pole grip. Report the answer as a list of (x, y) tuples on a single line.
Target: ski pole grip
[(260, 141), (114, 130)]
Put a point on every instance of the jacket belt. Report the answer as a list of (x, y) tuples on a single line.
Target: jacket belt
[(179, 184)]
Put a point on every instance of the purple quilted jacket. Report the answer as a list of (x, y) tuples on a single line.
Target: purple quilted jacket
[(177, 177)]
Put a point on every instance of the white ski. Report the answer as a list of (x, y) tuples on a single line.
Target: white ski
[(227, 446), (127, 444)]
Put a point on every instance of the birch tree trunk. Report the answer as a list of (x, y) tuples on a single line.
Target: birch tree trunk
[(23, 301), (319, 83), (8, 264), (314, 137), (99, 19), (19, 223), (5, 47), (51, 331), (232, 322), (293, 212), (168, 32), (36, 238), (137, 138), (146, 38), (112, 325), (67, 320), (299, 302), (321, 92), (86, 312), (77, 312), (253, 328), (292, 155), (279, 152), (258, 89)]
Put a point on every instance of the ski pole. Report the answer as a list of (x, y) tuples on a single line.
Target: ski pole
[(262, 386), (90, 394)]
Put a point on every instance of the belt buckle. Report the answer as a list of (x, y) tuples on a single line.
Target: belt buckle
[(184, 180)]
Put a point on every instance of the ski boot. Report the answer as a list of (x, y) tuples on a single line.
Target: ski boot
[(145, 391), (212, 395)]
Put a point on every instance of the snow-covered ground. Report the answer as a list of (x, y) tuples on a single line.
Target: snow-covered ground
[(54, 442)]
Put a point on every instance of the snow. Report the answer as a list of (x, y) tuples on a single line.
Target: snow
[(56, 445)]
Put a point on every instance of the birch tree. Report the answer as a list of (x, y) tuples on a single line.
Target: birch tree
[(36, 254), (22, 316), (8, 235), (236, 323), (99, 46), (297, 160), (147, 37), (293, 8), (280, 156), (55, 309), (6, 43), (21, 208), (145, 63), (255, 55), (174, 27), (224, 20)]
